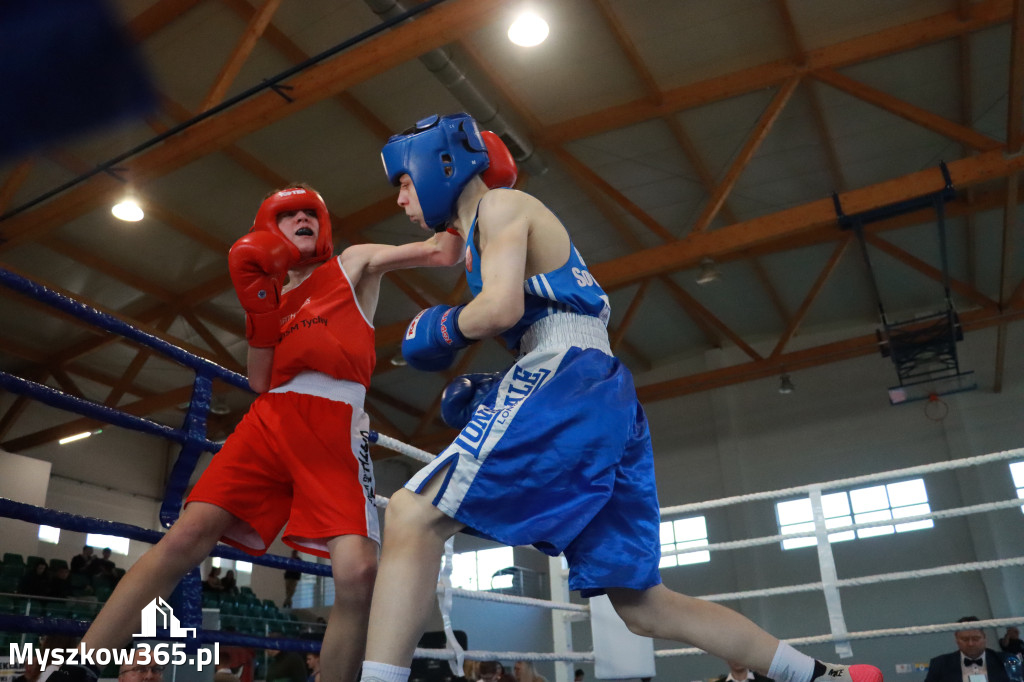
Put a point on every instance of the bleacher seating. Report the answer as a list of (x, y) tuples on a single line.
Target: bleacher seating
[(13, 558), (243, 611)]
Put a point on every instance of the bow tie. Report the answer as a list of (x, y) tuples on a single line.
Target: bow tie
[(974, 661)]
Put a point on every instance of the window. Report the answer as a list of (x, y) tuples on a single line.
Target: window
[(475, 570), (49, 534), (688, 533), (1017, 472), (101, 542), (875, 503)]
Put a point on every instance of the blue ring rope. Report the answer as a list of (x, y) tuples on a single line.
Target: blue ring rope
[(192, 437)]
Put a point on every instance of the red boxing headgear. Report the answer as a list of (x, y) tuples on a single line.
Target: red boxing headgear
[(503, 171), (295, 199)]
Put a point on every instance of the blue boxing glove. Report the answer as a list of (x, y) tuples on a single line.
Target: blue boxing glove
[(433, 339), (463, 395)]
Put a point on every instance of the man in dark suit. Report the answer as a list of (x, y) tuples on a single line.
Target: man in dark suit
[(971, 658), (739, 673)]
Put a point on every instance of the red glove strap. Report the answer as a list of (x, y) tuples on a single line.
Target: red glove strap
[(263, 330)]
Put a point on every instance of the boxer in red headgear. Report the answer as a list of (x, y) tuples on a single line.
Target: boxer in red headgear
[(299, 459)]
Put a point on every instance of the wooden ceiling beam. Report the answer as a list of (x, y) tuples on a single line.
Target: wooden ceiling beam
[(796, 360), (797, 221), (221, 353), (616, 335), (13, 182), (694, 307), (865, 48), (239, 54), (584, 172), (628, 47), (916, 115), (283, 44), (933, 273), (141, 407), (1015, 107), (373, 56), (739, 164), (812, 295), (157, 16)]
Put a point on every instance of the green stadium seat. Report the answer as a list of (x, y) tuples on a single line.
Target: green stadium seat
[(33, 560), (13, 558), (6, 605), (16, 570), (103, 592), (57, 563)]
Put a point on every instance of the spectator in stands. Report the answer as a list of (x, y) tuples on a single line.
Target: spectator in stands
[(291, 581), (524, 672), (133, 672), (313, 664), (60, 583), (58, 641), (228, 584), (502, 675), (102, 565), (82, 563), (285, 666), (36, 582), (740, 673), (32, 672), (241, 660), (212, 582), (579, 675), (488, 671), (972, 657), (1011, 642)]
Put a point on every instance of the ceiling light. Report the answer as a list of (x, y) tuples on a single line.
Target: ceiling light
[(77, 436), (708, 272), (786, 385), (128, 209), (528, 30)]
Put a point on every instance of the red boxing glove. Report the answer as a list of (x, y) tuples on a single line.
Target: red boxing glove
[(258, 263)]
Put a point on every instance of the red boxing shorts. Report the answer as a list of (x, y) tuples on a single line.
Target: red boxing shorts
[(298, 459)]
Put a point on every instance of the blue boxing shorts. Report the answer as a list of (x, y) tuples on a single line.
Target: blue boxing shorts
[(559, 456)]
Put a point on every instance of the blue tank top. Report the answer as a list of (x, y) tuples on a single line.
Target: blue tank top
[(568, 289)]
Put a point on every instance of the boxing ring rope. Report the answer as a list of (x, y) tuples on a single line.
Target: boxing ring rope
[(841, 638), (193, 440)]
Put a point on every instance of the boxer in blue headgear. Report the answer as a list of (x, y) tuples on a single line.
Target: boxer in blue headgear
[(555, 452), (441, 155)]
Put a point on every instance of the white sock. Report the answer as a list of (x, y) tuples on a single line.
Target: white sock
[(382, 672), (789, 665)]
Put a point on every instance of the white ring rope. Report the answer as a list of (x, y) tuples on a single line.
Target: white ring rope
[(869, 579), (456, 655), (868, 634), (843, 482), (404, 448), (526, 601), (770, 539)]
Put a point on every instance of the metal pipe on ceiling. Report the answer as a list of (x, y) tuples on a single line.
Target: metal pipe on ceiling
[(477, 104)]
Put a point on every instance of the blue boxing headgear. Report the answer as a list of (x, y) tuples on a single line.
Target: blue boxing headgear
[(441, 154)]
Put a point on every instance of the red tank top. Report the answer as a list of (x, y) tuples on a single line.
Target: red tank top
[(323, 330)]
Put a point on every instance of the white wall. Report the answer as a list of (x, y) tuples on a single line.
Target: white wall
[(22, 479)]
